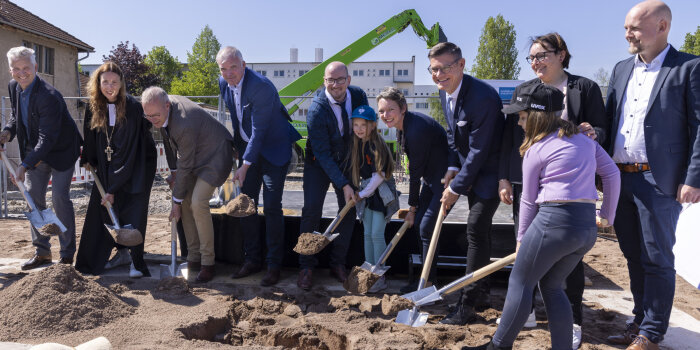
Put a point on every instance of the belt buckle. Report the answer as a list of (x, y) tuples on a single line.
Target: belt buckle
[(639, 167)]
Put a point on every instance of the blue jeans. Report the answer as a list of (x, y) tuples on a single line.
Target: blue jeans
[(554, 243), (375, 244), (316, 184), (36, 181), (271, 178), (645, 225)]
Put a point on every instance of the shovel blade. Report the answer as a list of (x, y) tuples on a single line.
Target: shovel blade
[(412, 317), (173, 270), (332, 236), (431, 298), (51, 218), (420, 294)]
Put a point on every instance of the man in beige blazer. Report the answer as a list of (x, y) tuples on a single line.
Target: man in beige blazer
[(201, 150)]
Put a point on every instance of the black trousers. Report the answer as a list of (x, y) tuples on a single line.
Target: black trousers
[(479, 222)]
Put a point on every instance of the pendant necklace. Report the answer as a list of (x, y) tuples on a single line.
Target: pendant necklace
[(108, 149)]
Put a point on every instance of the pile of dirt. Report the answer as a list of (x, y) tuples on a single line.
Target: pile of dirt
[(360, 280), (172, 286), (50, 230), (392, 304), (310, 243), (241, 206), (54, 301)]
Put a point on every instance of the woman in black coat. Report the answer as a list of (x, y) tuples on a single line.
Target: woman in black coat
[(120, 149)]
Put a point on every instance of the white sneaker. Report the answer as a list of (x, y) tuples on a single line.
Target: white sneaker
[(121, 258), (530, 323), (577, 337), (134, 273), (378, 286)]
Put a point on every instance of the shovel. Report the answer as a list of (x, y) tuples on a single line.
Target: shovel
[(125, 235), (414, 318), (241, 205), (327, 236), (173, 270), (44, 221), (380, 269)]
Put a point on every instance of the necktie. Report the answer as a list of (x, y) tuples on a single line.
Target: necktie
[(346, 120), (450, 109)]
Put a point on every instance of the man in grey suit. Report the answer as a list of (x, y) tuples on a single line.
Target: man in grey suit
[(654, 107), (203, 148)]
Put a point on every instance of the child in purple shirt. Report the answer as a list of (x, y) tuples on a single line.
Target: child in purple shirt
[(558, 216)]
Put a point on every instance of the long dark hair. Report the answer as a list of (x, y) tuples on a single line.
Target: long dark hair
[(380, 150), (98, 101)]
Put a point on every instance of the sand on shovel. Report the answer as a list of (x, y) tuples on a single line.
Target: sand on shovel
[(310, 243), (360, 280), (392, 304), (127, 236), (241, 206), (50, 230), (57, 300)]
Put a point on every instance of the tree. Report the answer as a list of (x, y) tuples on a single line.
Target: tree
[(164, 65), (497, 56), (602, 77), (136, 73), (436, 110), (201, 77), (692, 43)]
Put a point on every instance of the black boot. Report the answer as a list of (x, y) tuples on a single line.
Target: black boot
[(488, 346), (461, 315)]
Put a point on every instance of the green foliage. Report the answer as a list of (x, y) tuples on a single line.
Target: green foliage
[(201, 77), (497, 56), (164, 65), (692, 43), (436, 110)]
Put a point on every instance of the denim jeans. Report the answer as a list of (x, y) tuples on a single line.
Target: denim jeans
[(375, 244)]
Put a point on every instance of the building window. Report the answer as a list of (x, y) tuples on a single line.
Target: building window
[(422, 105), (402, 72), (44, 57), (354, 72), (279, 73), (262, 72), (302, 72), (362, 73), (384, 72), (405, 92)]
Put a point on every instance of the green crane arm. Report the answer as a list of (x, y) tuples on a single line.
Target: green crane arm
[(309, 82)]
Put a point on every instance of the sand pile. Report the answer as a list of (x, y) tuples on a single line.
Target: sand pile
[(310, 243), (56, 300), (50, 230), (392, 304), (172, 286), (360, 280), (241, 206)]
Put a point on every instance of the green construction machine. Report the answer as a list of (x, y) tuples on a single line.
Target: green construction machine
[(304, 86)]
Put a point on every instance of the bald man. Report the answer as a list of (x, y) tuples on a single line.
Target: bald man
[(329, 132), (654, 107)]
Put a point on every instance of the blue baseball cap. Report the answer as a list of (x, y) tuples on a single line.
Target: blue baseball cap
[(365, 112)]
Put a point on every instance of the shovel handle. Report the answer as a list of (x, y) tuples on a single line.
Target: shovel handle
[(19, 184), (394, 241), (431, 250), (236, 188), (478, 274), (110, 210), (340, 217)]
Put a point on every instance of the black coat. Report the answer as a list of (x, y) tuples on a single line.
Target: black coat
[(53, 135)]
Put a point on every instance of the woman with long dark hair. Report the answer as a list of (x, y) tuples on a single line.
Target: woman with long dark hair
[(120, 149)]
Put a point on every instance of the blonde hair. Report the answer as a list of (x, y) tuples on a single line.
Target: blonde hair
[(382, 156), (540, 124), (98, 101)]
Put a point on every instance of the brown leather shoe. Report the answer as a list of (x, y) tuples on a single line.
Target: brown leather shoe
[(271, 278), (304, 281), (194, 265), (247, 269), (627, 337), (206, 274), (642, 343), (67, 261), (36, 261), (340, 273)]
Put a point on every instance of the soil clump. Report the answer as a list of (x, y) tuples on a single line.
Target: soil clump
[(310, 243), (57, 300), (241, 206), (172, 286), (392, 304), (50, 230), (360, 280)]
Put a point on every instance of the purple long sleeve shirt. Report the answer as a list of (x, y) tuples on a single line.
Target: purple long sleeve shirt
[(561, 169)]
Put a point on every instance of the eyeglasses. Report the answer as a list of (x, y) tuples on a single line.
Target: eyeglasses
[(339, 81), (443, 70), (539, 57)]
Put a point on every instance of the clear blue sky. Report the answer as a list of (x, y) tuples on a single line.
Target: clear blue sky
[(266, 30)]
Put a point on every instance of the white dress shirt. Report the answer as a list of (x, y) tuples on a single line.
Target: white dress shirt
[(629, 142), (237, 100), (336, 109), (451, 105)]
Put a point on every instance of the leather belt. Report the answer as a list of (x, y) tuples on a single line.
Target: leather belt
[(633, 167)]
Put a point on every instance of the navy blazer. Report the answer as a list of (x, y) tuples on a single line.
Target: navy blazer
[(325, 143), (425, 143), (272, 133), (671, 132), (475, 137), (584, 103), (53, 135)]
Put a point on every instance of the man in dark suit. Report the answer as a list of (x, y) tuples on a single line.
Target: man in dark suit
[(654, 107), (475, 125), (49, 145), (203, 151), (330, 132), (263, 136)]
